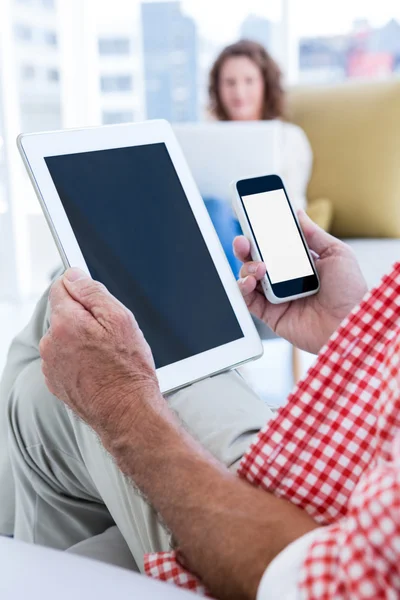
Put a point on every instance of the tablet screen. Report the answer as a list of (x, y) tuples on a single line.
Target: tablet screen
[(139, 237)]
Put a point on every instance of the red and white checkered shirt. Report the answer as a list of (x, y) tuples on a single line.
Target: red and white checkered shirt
[(334, 450)]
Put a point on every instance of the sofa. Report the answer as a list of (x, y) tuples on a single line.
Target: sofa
[(354, 131)]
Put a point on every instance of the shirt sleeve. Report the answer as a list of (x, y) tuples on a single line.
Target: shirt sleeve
[(315, 449)]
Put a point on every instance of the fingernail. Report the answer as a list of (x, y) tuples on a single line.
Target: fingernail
[(252, 269), (243, 281), (75, 274), (301, 214)]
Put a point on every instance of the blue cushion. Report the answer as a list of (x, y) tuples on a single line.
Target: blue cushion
[(227, 228)]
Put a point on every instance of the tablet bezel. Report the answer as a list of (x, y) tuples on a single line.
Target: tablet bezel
[(35, 147)]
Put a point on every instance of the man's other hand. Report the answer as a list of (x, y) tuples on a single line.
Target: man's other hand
[(309, 322)]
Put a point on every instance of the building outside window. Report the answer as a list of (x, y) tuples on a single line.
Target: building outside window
[(3, 194), (113, 117), (50, 38), (53, 75), (49, 4), (116, 83), (363, 51), (114, 46), (28, 72), (23, 32), (28, 103), (170, 61), (360, 40)]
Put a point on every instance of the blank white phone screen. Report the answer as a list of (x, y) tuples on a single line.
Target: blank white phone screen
[(277, 236)]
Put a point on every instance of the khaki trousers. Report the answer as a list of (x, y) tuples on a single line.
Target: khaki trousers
[(60, 488)]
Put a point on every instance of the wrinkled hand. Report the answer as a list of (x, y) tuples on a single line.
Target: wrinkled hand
[(309, 322), (95, 357)]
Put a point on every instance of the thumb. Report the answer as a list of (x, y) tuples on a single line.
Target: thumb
[(91, 294), (317, 238)]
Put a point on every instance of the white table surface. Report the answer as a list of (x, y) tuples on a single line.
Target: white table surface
[(30, 572)]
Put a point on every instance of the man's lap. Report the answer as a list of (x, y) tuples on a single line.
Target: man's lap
[(66, 460), (108, 547)]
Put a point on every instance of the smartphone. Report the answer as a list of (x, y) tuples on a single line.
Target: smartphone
[(269, 222)]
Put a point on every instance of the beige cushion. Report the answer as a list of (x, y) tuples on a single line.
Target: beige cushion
[(321, 212), (354, 131)]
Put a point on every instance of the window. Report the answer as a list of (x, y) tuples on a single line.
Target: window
[(181, 114), (112, 117), (53, 75), (27, 72), (179, 75), (116, 83), (182, 58), (3, 199), (50, 38), (181, 94), (152, 85), (356, 41), (23, 32), (7, 253), (114, 46)]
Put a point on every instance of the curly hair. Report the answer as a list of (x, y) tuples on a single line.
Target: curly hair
[(274, 95)]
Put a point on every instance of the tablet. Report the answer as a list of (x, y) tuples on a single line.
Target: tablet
[(123, 206)]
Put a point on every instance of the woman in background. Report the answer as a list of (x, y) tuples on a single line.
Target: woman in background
[(246, 85)]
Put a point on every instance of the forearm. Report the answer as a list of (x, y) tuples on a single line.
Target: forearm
[(227, 530)]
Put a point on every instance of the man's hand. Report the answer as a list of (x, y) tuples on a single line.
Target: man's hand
[(95, 357), (309, 322)]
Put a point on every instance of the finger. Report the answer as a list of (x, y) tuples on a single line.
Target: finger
[(254, 268), (254, 298), (60, 299), (58, 294), (318, 240), (247, 285), (90, 294), (241, 248)]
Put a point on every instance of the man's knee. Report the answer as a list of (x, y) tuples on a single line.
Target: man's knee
[(33, 412), (42, 439)]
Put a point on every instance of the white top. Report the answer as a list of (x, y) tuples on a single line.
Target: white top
[(219, 152), (224, 151), (296, 163), (280, 579)]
